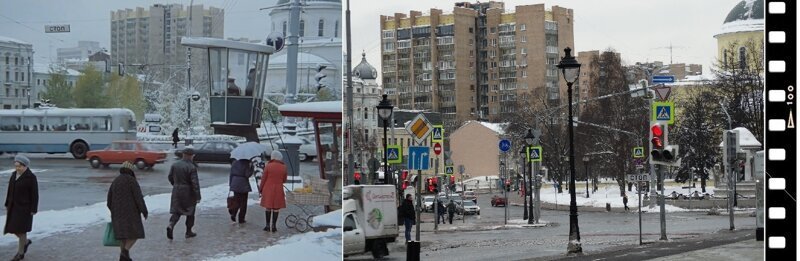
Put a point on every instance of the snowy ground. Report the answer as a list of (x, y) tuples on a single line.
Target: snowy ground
[(326, 245), (611, 195), (52, 222)]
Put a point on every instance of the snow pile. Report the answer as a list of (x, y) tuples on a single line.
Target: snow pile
[(608, 195), (51, 222), (307, 246), (330, 219)]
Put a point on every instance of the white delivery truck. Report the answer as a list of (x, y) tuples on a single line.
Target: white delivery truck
[(370, 219)]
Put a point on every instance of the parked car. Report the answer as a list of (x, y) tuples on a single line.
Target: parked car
[(498, 201), (427, 203), (141, 154), (470, 195), (470, 207), (212, 152), (307, 151)]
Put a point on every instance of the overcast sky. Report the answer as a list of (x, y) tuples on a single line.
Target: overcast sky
[(639, 30), (90, 20)]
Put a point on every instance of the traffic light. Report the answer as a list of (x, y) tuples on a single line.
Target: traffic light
[(357, 177), (404, 175), (660, 151)]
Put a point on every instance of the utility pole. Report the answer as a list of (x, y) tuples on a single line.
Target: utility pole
[(350, 164), (189, 77)]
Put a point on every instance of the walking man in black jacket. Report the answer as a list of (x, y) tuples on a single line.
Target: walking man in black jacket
[(407, 213)]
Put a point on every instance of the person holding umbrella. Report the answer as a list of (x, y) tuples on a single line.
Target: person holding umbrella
[(240, 187)]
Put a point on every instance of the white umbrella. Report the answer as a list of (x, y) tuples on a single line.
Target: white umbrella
[(248, 150)]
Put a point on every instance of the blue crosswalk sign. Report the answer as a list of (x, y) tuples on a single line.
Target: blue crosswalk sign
[(419, 158)]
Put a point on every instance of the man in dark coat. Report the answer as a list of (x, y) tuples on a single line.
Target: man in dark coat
[(22, 202), (625, 202), (441, 211), (185, 192), (451, 210), (407, 213), (240, 186), (175, 138), (126, 204)]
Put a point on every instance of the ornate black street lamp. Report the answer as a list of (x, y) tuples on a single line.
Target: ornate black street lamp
[(524, 155), (571, 69), (385, 112), (530, 140)]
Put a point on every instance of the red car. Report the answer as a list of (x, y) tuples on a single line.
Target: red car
[(138, 153), (498, 201)]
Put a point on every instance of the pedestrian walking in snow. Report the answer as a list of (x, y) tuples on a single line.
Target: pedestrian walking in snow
[(625, 202), (185, 192), (451, 210), (126, 204), (406, 212), (22, 203), (240, 187), (441, 211), (175, 138), (273, 198)]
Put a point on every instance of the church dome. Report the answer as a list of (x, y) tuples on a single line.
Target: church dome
[(364, 70), (746, 16)]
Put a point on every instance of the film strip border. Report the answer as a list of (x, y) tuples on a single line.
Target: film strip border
[(781, 165)]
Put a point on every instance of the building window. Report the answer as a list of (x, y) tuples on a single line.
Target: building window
[(284, 28), (302, 28), (742, 58), (725, 59), (522, 27), (524, 39), (321, 26), (336, 30)]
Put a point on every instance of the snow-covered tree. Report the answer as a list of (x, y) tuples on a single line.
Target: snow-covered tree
[(58, 91)]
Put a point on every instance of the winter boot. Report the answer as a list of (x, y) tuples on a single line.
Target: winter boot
[(18, 257), (189, 233), (124, 255), (26, 246), (274, 221), (268, 217), (169, 230)]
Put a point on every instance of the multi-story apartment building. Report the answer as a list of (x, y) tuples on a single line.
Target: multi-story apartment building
[(152, 36), (475, 62), (16, 69)]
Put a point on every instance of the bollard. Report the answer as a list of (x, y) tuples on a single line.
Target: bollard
[(608, 207), (412, 250)]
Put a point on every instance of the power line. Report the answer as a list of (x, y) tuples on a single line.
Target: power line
[(26, 26)]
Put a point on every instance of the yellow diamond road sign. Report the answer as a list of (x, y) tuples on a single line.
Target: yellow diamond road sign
[(419, 128)]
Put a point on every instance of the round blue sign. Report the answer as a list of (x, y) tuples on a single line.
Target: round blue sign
[(505, 145)]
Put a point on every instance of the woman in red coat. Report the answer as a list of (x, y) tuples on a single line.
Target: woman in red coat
[(272, 197)]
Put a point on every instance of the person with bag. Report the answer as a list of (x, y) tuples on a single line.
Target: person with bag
[(185, 192), (126, 204), (239, 187), (272, 196), (407, 213), (175, 138), (22, 203)]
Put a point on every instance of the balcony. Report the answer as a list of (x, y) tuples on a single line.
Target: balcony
[(507, 45)]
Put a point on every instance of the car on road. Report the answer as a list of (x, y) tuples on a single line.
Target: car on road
[(212, 152), (141, 154), (470, 207), (498, 201), (470, 195), (306, 152), (427, 203)]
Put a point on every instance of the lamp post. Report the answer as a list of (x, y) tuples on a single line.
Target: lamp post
[(385, 112), (570, 68), (586, 170), (523, 156), (530, 140)]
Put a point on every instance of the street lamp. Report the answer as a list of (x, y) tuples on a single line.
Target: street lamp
[(523, 154), (530, 140), (586, 168), (385, 112), (570, 68)]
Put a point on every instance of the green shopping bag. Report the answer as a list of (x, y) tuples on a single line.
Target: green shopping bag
[(108, 238)]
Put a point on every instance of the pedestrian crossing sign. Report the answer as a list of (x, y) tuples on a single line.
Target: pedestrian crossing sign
[(437, 135), (394, 154), (535, 154), (448, 170), (663, 112), (638, 152)]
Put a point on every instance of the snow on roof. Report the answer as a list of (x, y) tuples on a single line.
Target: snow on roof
[(742, 26), (12, 40), (66, 112), (498, 128), (746, 138), (327, 106), (692, 80), (205, 42)]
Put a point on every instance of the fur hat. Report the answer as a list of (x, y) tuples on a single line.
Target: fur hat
[(127, 165), (22, 160), (276, 155), (188, 151)]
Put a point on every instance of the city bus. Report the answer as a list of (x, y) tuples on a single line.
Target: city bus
[(57, 130)]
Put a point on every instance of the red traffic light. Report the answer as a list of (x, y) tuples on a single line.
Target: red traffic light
[(452, 179), (404, 176), (357, 176), (405, 185), (657, 131), (657, 142)]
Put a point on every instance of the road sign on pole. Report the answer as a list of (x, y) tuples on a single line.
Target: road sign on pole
[(505, 145), (395, 154), (448, 170), (663, 112), (461, 169), (663, 78), (437, 135), (535, 154), (663, 92), (419, 128), (638, 152), (437, 148), (418, 158), (638, 177)]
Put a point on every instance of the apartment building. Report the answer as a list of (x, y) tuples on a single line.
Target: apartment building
[(475, 62), (152, 35), (16, 69)]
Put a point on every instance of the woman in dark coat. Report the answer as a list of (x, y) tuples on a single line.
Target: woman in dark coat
[(238, 181), (22, 202), (126, 203), (175, 138), (272, 197)]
